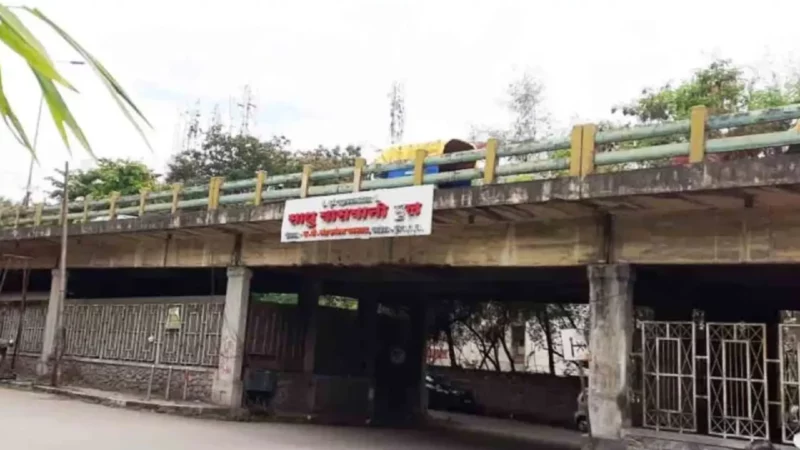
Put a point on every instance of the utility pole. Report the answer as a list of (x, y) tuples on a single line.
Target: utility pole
[(62, 281), (27, 199)]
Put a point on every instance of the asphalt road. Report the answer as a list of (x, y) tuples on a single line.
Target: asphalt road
[(35, 421)]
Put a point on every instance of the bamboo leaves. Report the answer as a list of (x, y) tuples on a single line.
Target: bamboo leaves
[(17, 37)]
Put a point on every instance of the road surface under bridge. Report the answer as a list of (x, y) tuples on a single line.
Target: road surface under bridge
[(39, 421)]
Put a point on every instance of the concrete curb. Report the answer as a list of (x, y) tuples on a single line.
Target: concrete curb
[(198, 411)]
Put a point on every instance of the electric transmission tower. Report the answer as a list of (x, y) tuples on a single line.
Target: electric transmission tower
[(248, 107), (397, 112)]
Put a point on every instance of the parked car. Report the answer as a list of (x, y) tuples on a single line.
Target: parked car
[(442, 395)]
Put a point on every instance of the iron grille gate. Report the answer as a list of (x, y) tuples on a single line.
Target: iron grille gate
[(668, 376), (735, 378), (789, 336)]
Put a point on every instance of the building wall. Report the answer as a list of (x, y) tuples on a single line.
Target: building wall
[(142, 330), (168, 346), (338, 388), (32, 324), (538, 398), (167, 382)]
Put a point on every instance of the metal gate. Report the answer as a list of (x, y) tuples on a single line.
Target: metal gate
[(737, 380), (789, 337), (669, 376)]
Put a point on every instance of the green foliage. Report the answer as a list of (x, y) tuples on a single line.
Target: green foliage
[(240, 156), (19, 39), (324, 158), (331, 301), (110, 175), (6, 202), (275, 297), (233, 156), (722, 87)]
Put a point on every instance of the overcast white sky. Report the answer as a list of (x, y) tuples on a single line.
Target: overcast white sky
[(321, 69)]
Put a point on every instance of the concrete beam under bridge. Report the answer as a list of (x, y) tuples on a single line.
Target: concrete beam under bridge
[(712, 213), (699, 237)]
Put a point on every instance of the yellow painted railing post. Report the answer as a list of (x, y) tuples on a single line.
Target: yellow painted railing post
[(575, 159), (358, 173), (490, 168), (143, 194), (587, 149), (112, 205), (214, 186), (37, 215), (86, 200), (176, 194), (305, 181), (419, 166), (261, 176), (697, 134)]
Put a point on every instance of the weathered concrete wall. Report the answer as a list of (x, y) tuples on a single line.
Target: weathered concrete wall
[(332, 398), (108, 345), (25, 366), (532, 397), (610, 344), (32, 325), (757, 235), (185, 383), (341, 397), (557, 243), (709, 237)]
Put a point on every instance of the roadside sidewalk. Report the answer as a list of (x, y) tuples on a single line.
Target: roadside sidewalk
[(460, 426), (118, 400), (472, 427)]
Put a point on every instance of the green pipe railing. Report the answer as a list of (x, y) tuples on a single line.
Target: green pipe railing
[(581, 161)]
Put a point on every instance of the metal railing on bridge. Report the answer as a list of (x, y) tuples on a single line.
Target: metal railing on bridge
[(576, 155)]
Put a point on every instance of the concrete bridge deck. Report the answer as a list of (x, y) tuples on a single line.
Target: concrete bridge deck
[(712, 212)]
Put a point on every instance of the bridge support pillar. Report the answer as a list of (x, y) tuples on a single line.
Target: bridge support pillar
[(368, 322), (421, 317), (308, 302), (610, 339), (227, 387), (50, 332)]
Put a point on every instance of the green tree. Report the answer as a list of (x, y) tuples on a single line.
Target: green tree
[(110, 175), (239, 156), (234, 156), (323, 158), (19, 39), (723, 87)]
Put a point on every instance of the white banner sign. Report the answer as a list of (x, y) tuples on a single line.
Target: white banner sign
[(573, 345), (406, 211)]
